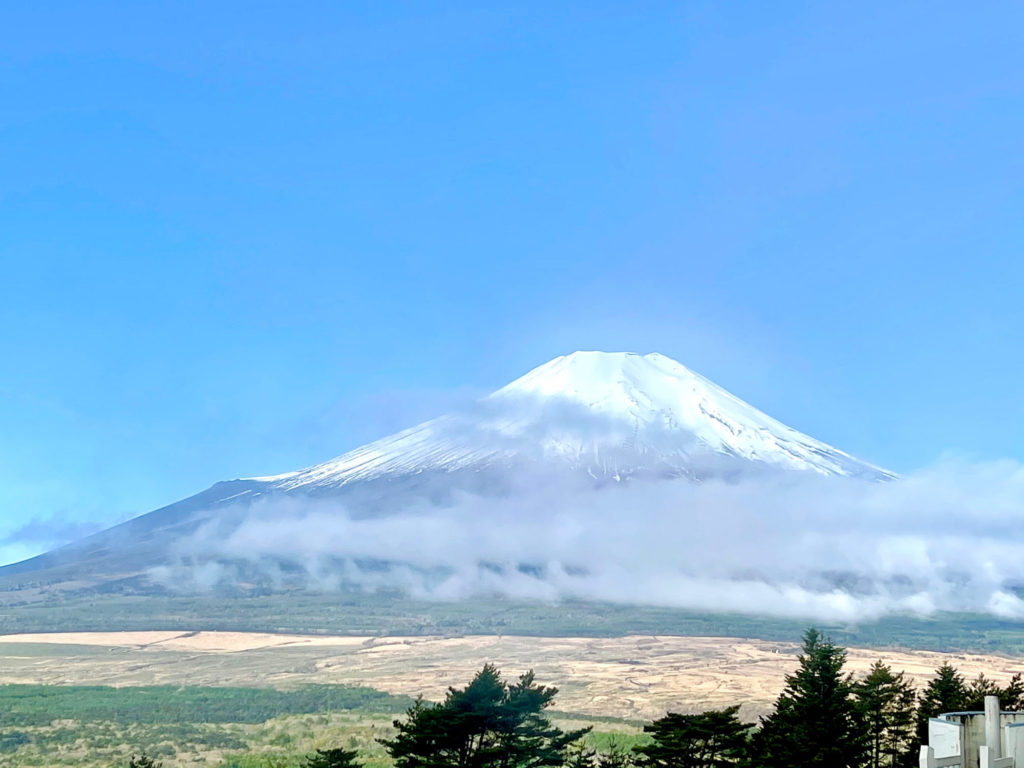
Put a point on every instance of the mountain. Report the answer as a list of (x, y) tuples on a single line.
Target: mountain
[(611, 414), (599, 418)]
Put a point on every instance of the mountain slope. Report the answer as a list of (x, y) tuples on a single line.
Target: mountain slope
[(611, 413), (592, 416)]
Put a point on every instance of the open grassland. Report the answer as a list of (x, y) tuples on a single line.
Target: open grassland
[(263, 700), (100, 727), (631, 678)]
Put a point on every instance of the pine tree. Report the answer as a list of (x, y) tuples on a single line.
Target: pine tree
[(487, 724), (886, 704), (332, 758), (1012, 696), (616, 756), (979, 688), (579, 755), (713, 739), (946, 692), (816, 723)]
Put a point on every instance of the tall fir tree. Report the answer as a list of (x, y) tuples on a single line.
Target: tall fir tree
[(1012, 696), (946, 692), (816, 722), (886, 702)]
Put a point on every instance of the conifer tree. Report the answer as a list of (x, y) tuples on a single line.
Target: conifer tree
[(615, 756), (946, 692), (487, 724), (1012, 696), (713, 739), (579, 755), (886, 704), (816, 723), (333, 758), (979, 688)]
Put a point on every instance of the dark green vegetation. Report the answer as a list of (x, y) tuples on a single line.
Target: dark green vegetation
[(336, 757), (25, 705), (488, 723), (885, 703), (716, 737), (357, 613), (96, 725), (320, 726), (817, 721)]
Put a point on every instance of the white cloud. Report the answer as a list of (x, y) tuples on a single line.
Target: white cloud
[(788, 544)]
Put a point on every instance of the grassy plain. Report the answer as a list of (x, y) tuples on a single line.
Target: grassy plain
[(633, 678), (50, 726), (262, 700)]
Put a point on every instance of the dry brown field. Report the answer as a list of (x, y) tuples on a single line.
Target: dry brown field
[(637, 677)]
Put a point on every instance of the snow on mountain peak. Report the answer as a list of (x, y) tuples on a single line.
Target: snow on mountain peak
[(610, 413)]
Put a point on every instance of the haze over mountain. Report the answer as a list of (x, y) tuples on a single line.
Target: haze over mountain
[(606, 476)]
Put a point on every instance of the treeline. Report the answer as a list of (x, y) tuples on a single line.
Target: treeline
[(824, 718), (39, 705)]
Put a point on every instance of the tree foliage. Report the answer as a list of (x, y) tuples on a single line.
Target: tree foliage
[(487, 724), (143, 761), (1011, 698), (579, 755), (946, 692), (616, 756), (886, 702), (816, 723), (333, 758), (713, 739)]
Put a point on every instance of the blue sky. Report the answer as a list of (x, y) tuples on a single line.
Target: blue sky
[(239, 238)]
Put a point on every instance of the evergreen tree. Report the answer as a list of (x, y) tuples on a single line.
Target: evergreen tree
[(886, 703), (946, 692), (714, 739), (979, 688), (615, 756), (487, 724), (579, 755), (143, 761), (333, 758), (816, 723), (1012, 696)]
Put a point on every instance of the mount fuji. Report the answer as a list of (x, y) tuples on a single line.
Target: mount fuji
[(610, 414), (602, 419)]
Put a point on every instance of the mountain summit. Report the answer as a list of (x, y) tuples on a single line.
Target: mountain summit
[(613, 414)]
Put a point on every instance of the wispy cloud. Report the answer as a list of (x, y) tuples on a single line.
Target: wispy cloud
[(41, 534), (790, 544)]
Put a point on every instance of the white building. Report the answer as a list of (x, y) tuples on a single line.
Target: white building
[(989, 739)]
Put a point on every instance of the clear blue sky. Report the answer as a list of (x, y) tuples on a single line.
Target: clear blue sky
[(239, 238)]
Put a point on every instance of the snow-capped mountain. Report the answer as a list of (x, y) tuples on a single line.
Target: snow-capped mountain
[(611, 414), (590, 417)]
